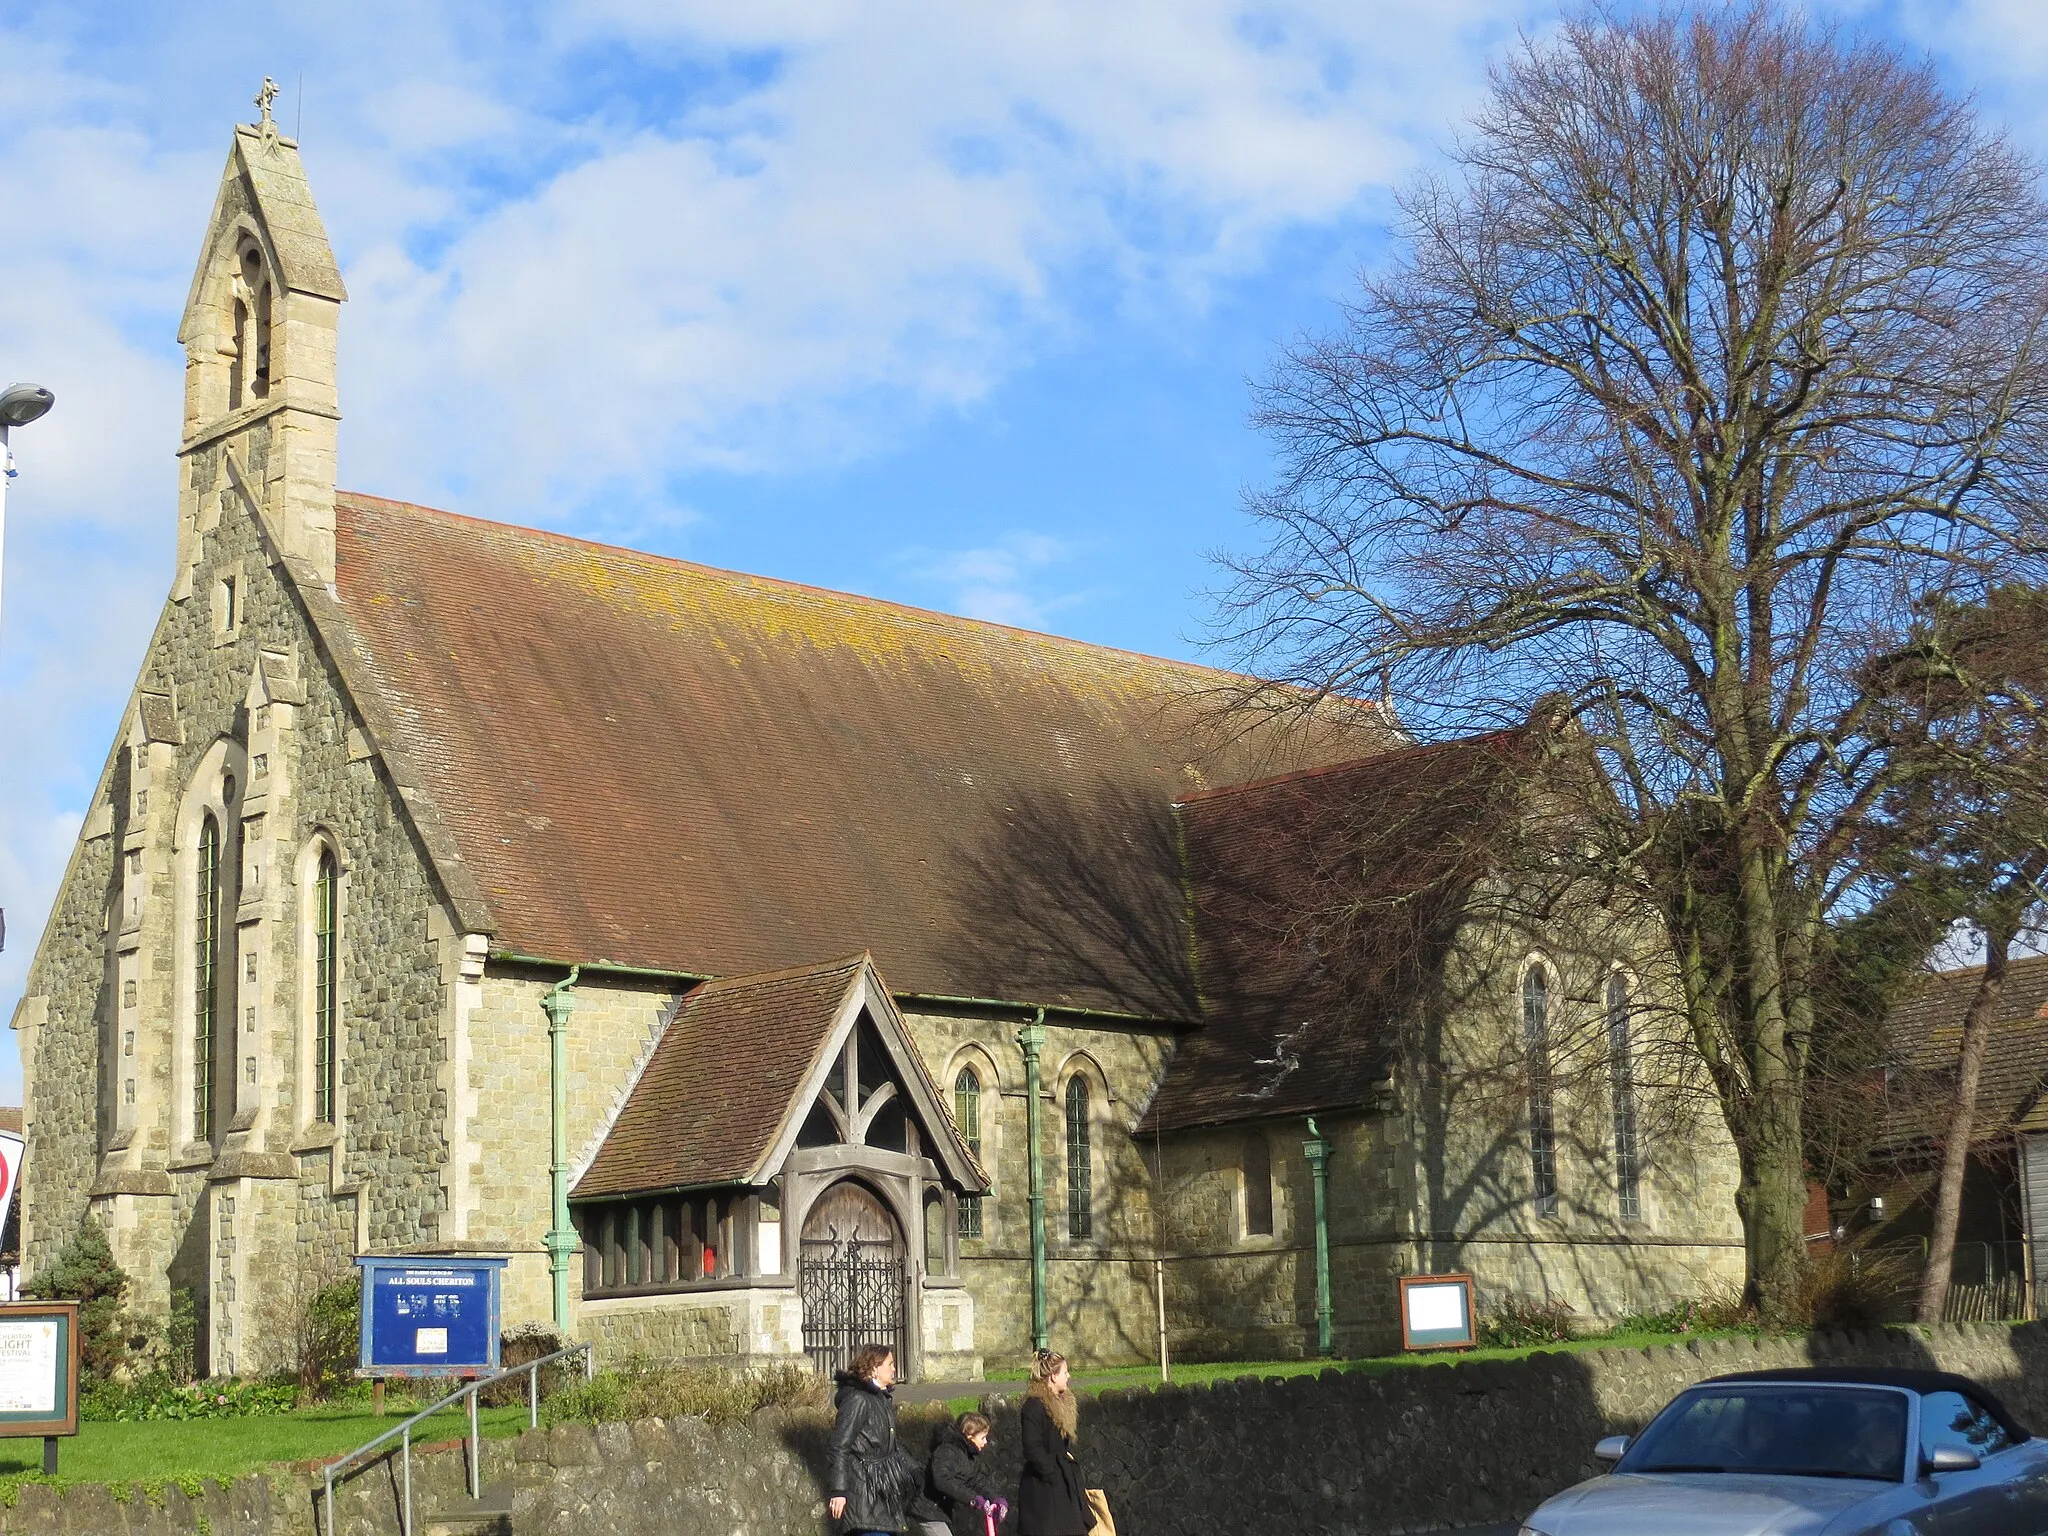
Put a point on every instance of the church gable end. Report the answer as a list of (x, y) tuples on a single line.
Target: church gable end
[(237, 1021)]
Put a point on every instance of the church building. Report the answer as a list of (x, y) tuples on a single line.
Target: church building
[(728, 953)]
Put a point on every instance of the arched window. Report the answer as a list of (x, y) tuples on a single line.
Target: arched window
[(1080, 1163), (1627, 1171), (1542, 1114), (967, 1114), (326, 981), (1258, 1187), (205, 976), (260, 381), (249, 368), (239, 353)]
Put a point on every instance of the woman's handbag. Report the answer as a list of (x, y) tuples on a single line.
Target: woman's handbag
[(1098, 1505)]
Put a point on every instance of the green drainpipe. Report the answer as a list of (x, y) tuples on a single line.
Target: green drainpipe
[(1031, 1039), (559, 1004), (1317, 1150)]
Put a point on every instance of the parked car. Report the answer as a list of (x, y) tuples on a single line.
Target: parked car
[(1812, 1451)]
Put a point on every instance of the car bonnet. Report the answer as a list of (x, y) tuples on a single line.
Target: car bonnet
[(1702, 1504)]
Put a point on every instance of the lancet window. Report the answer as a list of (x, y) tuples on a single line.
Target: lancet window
[(967, 1114), (1080, 1163), (1542, 1109)]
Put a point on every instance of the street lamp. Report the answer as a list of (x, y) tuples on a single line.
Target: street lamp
[(20, 404)]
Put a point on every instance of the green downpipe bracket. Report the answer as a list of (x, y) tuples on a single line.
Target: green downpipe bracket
[(1317, 1150), (1030, 1040), (558, 1005)]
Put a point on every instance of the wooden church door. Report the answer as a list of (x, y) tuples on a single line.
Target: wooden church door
[(850, 1275)]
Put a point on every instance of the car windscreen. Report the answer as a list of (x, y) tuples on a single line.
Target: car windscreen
[(1798, 1430)]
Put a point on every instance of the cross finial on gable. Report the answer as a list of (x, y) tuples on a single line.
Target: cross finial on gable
[(264, 98)]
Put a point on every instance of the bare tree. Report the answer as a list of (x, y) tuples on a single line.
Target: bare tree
[(1713, 352)]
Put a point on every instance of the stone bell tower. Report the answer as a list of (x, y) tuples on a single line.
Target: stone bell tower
[(260, 401)]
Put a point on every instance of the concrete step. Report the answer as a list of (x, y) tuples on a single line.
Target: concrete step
[(490, 1515)]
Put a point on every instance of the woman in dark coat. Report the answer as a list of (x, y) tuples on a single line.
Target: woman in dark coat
[(1050, 1500), (872, 1481)]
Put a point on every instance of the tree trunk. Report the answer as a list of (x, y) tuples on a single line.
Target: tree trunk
[(1955, 1150), (1774, 1212), (1774, 1202)]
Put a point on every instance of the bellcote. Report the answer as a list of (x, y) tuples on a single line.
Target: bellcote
[(259, 333)]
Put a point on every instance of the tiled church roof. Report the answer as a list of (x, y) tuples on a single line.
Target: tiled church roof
[(1316, 897), (648, 762)]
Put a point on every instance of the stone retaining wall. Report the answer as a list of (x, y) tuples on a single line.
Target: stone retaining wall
[(1409, 1449)]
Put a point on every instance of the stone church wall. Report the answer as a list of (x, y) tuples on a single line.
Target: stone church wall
[(1101, 1305), (1468, 1124), (60, 1022), (614, 1024), (158, 1194), (1236, 1295)]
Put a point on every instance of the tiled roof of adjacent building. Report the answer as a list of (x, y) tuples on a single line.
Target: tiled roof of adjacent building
[(648, 762), (1926, 1036), (1319, 901)]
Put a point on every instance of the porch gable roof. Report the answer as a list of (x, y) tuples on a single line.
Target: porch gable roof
[(727, 1087)]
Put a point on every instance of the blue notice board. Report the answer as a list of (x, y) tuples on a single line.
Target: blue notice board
[(429, 1317)]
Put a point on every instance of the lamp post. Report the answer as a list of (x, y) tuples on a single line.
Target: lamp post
[(20, 404)]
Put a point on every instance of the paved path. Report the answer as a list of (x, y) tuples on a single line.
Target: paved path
[(942, 1391)]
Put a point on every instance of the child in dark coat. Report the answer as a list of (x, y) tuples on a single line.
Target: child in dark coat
[(955, 1482)]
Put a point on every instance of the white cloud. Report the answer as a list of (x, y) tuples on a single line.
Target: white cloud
[(1004, 582), (594, 247)]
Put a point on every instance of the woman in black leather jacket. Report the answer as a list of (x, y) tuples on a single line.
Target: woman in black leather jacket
[(872, 1480)]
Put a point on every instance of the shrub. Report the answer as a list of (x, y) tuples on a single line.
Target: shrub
[(645, 1389), (85, 1272), (1857, 1289), (1726, 1308), (532, 1341), (1523, 1320), (181, 1336), (157, 1396), (1681, 1317), (1717, 1312), (330, 1338)]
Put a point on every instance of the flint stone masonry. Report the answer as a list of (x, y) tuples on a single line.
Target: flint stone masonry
[(148, 1184), (1342, 1452)]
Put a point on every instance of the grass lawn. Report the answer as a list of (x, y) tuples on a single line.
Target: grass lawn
[(184, 1450)]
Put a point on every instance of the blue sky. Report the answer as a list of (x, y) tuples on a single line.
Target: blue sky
[(947, 303)]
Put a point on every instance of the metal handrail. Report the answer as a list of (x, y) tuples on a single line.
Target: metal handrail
[(404, 1432)]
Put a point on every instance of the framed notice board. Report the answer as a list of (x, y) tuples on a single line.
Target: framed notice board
[(1436, 1312), (429, 1317), (39, 1368)]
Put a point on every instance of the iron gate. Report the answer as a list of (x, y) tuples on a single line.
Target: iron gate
[(852, 1294)]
